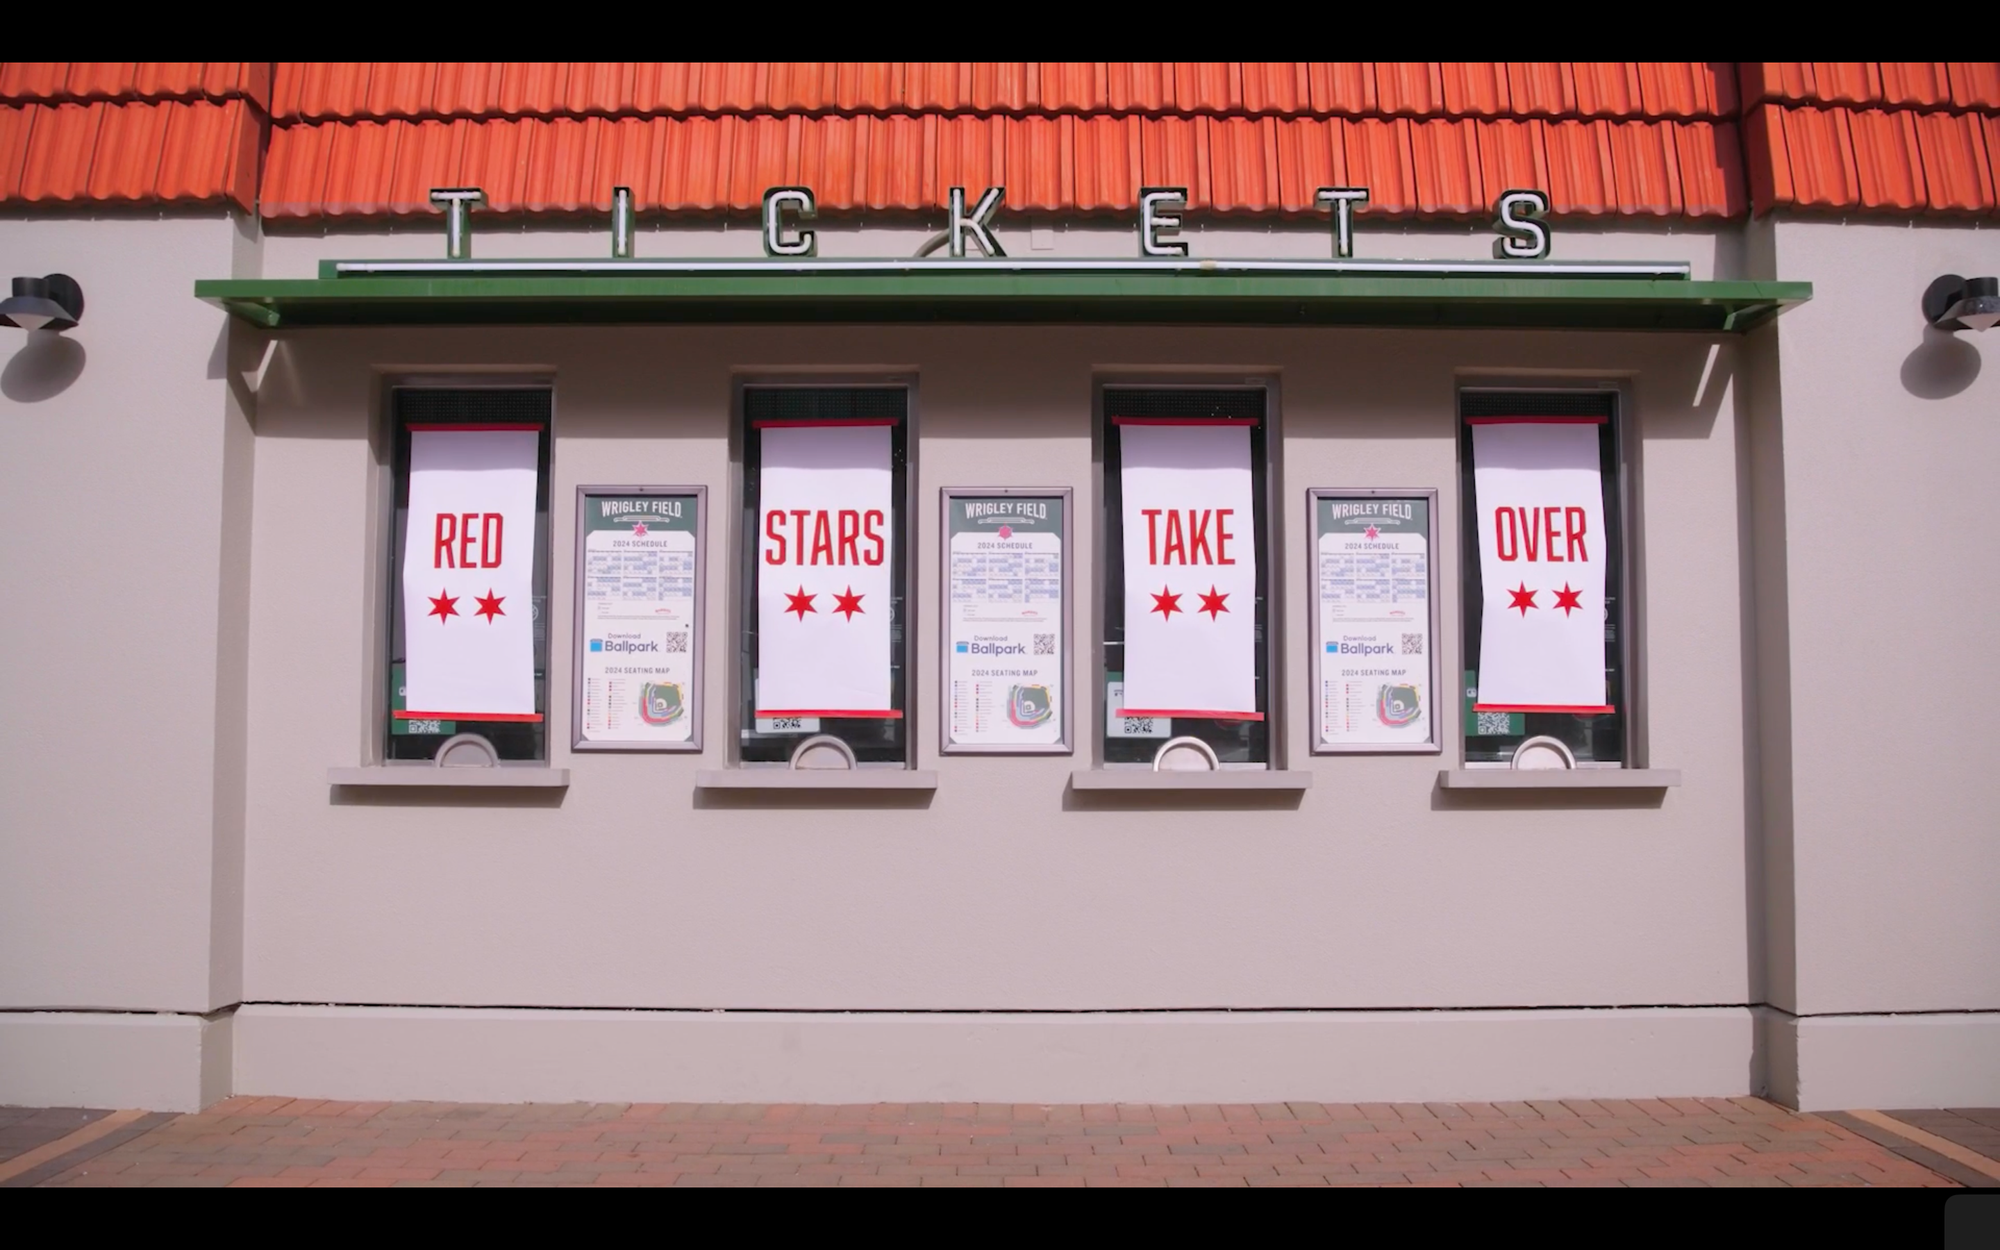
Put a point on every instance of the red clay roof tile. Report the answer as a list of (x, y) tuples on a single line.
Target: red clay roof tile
[(1380, 157), (1580, 176), (14, 126), (1541, 88), (1475, 88), (1957, 169), (1711, 170), (125, 164), (60, 146), (1409, 88), (1280, 87), (1915, 84), (1822, 154), (1645, 168), (1346, 88), (1445, 157), (1512, 156), (1975, 85), (1888, 171), (1606, 88)]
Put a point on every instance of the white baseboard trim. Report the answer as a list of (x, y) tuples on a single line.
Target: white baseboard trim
[(507, 1055), (1947, 1059), (158, 1061)]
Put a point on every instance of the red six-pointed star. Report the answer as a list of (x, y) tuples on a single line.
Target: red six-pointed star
[(849, 603), (489, 605), (1566, 599), (1212, 603), (800, 602), (1523, 599), (1373, 534), (1166, 603), (638, 529), (442, 605)]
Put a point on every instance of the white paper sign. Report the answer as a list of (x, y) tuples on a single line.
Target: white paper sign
[(824, 556), (468, 574), (1190, 570), (638, 619), (1372, 565), (1541, 563), (1004, 618)]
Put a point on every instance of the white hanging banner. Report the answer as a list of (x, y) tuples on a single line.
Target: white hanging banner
[(1190, 569), (1541, 562), (468, 573), (824, 564)]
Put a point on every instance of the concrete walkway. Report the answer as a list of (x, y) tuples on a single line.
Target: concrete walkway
[(280, 1141)]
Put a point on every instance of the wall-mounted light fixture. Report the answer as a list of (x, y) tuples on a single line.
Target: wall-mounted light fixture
[(51, 303), (1955, 303)]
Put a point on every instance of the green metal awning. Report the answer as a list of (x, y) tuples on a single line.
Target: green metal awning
[(1468, 294)]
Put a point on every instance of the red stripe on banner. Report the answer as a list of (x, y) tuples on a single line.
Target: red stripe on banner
[(1536, 420), (1182, 711), (804, 425), (518, 425), (507, 716), (1186, 421), (826, 711), (1580, 709)]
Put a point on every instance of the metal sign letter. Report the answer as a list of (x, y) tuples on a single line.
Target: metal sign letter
[(978, 225), (1344, 200), (800, 242), (1159, 231), (1523, 235)]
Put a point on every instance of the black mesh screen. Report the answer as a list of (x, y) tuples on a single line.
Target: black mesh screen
[(1129, 401), (1537, 403), (443, 407), (824, 403)]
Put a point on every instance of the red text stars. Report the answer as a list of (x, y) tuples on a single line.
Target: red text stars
[(489, 605), (442, 605), (849, 603), (1212, 603), (800, 602), (1523, 598), (803, 536), (1166, 603), (1566, 599)]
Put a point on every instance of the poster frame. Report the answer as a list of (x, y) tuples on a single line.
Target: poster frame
[(1065, 638), (1435, 745), (698, 709)]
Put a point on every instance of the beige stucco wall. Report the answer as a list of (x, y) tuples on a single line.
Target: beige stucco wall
[(1005, 890), (124, 489), (1891, 439)]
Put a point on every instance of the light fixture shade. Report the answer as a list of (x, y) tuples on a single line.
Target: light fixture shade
[(1955, 303), (51, 303)]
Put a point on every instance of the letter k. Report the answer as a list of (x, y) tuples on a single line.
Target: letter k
[(978, 225)]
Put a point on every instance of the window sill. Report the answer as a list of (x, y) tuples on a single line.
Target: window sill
[(1146, 780), (1559, 778), (816, 779), (432, 777)]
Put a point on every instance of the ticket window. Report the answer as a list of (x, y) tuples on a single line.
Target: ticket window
[(470, 552), (1187, 609), (1558, 571), (824, 572)]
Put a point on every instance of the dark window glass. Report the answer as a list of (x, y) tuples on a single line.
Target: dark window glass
[(875, 740), (420, 739), (1490, 737), (1234, 741)]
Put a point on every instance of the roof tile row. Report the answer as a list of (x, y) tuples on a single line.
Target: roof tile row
[(1839, 158), (1551, 89), (53, 82), (1897, 84), (171, 152), (1236, 164)]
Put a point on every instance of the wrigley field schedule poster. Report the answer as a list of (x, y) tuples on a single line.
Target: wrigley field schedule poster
[(1004, 621), (637, 617), (1374, 687)]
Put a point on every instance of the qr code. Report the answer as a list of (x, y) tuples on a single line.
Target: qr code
[(1045, 644), (1492, 723), (1413, 644), (678, 643)]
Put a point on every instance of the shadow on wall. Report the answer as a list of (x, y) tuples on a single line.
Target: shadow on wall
[(1943, 365), (43, 369)]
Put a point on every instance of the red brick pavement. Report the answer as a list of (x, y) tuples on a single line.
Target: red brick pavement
[(1707, 1141)]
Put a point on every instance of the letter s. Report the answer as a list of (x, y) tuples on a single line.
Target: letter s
[(774, 530), (869, 521)]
